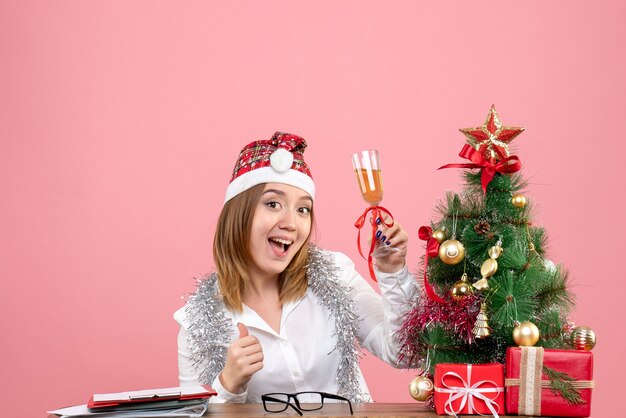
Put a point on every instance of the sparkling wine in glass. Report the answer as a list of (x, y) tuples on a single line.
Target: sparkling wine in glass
[(368, 174)]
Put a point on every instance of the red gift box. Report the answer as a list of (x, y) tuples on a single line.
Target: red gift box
[(469, 389), (525, 376)]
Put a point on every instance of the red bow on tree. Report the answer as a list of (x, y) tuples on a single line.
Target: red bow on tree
[(509, 165)]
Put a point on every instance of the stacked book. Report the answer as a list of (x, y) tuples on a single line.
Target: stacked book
[(184, 401)]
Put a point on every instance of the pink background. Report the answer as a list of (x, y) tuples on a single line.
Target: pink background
[(120, 122)]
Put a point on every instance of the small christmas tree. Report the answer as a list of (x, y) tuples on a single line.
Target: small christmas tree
[(486, 277)]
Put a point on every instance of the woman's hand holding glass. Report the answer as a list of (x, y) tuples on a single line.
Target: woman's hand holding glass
[(391, 246)]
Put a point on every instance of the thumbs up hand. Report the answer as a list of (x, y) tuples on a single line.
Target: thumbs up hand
[(244, 358)]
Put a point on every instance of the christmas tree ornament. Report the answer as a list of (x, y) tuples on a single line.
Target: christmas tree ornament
[(452, 251), (526, 334), (481, 284), (421, 388), (583, 338), (481, 326), (482, 227), (461, 288), (492, 139), (495, 251), (518, 200), (489, 266), (488, 149), (568, 327), (439, 235)]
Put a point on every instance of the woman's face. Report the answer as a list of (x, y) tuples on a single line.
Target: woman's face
[(281, 225)]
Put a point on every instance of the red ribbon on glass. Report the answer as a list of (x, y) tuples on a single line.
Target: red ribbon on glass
[(432, 250), (509, 165), (376, 213)]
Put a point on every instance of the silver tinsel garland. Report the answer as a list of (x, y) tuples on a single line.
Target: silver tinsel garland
[(211, 331), (323, 275)]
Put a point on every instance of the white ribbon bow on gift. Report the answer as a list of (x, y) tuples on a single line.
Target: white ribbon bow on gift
[(468, 393)]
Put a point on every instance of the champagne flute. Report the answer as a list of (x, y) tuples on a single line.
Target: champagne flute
[(369, 176)]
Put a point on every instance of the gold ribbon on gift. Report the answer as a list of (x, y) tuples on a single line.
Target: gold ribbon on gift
[(545, 384), (530, 382)]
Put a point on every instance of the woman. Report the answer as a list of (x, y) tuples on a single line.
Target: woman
[(281, 315)]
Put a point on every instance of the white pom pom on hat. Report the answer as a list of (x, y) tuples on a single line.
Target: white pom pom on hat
[(281, 160), (277, 160)]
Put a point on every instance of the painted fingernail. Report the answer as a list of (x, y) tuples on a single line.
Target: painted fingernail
[(388, 243), (378, 234), (383, 238), (378, 221)]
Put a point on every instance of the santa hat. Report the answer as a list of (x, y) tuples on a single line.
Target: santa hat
[(278, 160)]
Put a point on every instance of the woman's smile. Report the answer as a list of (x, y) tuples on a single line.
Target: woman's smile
[(280, 245)]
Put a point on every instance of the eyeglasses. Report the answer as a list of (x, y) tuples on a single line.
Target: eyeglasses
[(304, 401)]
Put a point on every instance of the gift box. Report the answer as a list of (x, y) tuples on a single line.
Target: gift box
[(548, 382), (469, 389)]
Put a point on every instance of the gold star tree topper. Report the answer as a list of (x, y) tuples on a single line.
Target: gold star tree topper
[(492, 139)]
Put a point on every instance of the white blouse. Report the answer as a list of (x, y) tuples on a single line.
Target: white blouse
[(301, 357)]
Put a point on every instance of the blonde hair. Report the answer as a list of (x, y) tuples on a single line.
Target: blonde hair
[(231, 252)]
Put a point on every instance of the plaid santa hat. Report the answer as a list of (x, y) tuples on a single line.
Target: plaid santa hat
[(278, 160)]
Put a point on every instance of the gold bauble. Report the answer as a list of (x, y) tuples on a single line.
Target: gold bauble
[(583, 338), (518, 200), (495, 251), (439, 235), (421, 388), (461, 289), (526, 334), (489, 268), (452, 252)]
